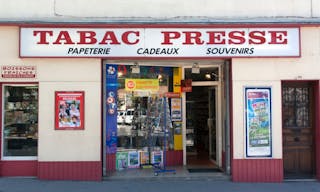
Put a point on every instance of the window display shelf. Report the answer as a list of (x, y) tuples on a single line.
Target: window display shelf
[(20, 137)]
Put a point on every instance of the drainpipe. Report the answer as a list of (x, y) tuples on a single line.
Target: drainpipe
[(227, 117), (104, 154)]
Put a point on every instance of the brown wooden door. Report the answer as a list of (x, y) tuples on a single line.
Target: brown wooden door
[(298, 130)]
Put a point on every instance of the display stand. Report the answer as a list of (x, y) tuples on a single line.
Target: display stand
[(158, 122), (158, 168), (151, 122)]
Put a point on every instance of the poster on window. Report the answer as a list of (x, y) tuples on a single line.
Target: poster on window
[(69, 110), (258, 122), (176, 112)]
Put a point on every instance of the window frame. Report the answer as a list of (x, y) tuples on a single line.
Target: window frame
[(3, 157)]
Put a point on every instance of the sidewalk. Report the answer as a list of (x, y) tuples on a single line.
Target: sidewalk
[(169, 173), (155, 185), (144, 180)]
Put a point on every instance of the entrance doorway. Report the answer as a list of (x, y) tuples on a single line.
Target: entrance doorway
[(298, 130), (200, 127), (203, 125)]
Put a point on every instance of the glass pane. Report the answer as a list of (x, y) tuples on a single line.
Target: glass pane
[(295, 101), (141, 112), (302, 109), (20, 124), (206, 74), (288, 107)]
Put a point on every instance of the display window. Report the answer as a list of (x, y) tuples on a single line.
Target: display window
[(20, 121), (144, 126)]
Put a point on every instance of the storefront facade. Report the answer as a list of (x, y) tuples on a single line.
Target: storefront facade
[(39, 86), (82, 99)]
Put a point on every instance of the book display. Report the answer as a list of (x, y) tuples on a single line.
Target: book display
[(20, 126)]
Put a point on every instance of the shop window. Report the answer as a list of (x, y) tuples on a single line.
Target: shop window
[(20, 121), (142, 111)]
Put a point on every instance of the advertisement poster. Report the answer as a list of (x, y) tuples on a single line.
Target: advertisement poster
[(177, 127), (121, 160), (142, 84), (176, 112), (69, 110), (111, 108), (186, 85), (134, 159), (258, 122)]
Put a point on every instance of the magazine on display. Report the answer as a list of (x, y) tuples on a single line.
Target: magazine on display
[(133, 159), (121, 160), (157, 157)]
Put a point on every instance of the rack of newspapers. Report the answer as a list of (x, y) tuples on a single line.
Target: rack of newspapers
[(159, 134)]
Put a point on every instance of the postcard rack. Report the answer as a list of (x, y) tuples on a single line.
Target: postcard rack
[(165, 123)]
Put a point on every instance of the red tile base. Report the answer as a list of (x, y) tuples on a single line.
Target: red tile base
[(257, 170), (18, 168), (85, 171)]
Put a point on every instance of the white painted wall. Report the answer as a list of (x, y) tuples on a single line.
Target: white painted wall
[(70, 145), (59, 9), (270, 72), (60, 75)]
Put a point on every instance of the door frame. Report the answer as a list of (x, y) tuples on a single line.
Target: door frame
[(217, 85)]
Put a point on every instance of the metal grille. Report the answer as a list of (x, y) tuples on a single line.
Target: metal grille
[(295, 106)]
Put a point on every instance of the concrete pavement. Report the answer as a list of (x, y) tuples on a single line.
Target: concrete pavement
[(15, 184)]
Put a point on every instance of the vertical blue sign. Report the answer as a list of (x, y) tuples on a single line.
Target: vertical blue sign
[(111, 107)]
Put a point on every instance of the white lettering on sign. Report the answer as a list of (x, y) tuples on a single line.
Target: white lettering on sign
[(159, 42)]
